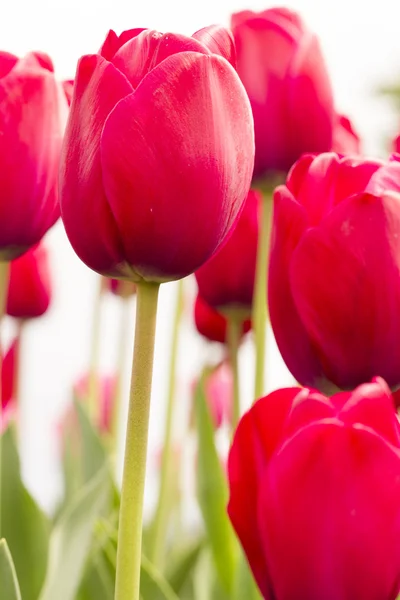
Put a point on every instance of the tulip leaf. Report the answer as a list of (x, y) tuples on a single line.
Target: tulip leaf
[(94, 454), (213, 495), (8, 577), (153, 586), (23, 524), (245, 586), (72, 536), (182, 568)]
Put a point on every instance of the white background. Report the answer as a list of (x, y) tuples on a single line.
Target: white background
[(361, 43)]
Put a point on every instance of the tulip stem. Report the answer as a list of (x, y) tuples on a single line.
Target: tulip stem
[(260, 310), (234, 334), (160, 524), (93, 391), (129, 549), (122, 343), (4, 279)]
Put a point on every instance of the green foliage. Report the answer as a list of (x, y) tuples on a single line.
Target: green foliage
[(22, 524), (8, 577)]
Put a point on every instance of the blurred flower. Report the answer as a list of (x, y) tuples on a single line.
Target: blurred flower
[(29, 290), (119, 287), (281, 66), (315, 494), (226, 281), (219, 394), (334, 276), (8, 383), (153, 180), (396, 144), (32, 117), (345, 139), (106, 387), (68, 86), (211, 324)]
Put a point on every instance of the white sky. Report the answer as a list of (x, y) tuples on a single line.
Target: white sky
[(361, 43)]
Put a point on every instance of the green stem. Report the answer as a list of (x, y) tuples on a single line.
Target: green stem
[(122, 343), (93, 400), (260, 311), (131, 510), (160, 523), (4, 279), (234, 331)]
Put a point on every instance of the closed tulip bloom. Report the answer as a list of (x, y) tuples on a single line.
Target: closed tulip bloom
[(211, 324), (345, 138), (119, 287), (8, 383), (32, 117), (315, 494), (281, 66), (334, 274), (158, 153), (106, 398), (226, 281), (30, 289)]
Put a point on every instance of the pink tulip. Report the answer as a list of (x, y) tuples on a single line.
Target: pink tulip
[(219, 394), (281, 66), (158, 153), (315, 494), (32, 116), (9, 374), (106, 396), (334, 274), (29, 290), (226, 281), (345, 138)]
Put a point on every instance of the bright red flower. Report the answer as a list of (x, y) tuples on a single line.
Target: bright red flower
[(226, 281), (9, 373), (345, 138), (281, 66), (158, 153), (334, 275), (211, 324), (32, 116), (119, 287), (315, 494), (29, 290)]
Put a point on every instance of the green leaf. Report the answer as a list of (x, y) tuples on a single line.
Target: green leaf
[(8, 577), (94, 455), (181, 569), (22, 522), (245, 586), (153, 586), (213, 496), (72, 536)]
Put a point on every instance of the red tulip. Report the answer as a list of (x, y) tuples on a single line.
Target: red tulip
[(158, 154), (345, 138), (32, 115), (226, 281), (281, 66), (118, 287), (315, 494), (334, 275), (211, 324), (29, 290), (8, 381)]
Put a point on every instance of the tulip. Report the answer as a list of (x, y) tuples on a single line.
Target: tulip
[(396, 144), (345, 138), (315, 494), (106, 397), (155, 176), (29, 290), (68, 87), (32, 116), (226, 281), (118, 287), (218, 388), (8, 384), (281, 66), (334, 274), (211, 324)]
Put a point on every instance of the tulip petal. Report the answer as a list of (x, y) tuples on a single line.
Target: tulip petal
[(113, 42), (329, 515), (356, 248), (181, 144), (32, 108), (98, 87), (7, 62), (219, 40), (144, 52), (256, 439), (8, 374), (289, 224)]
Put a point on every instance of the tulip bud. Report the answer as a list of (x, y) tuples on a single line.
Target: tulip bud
[(119, 287), (32, 116), (211, 324), (226, 281), (8, 383), (315, 493), (281, 66), (154, 178), (29, 289), (345, 138), (106, 390), (334, 274)]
